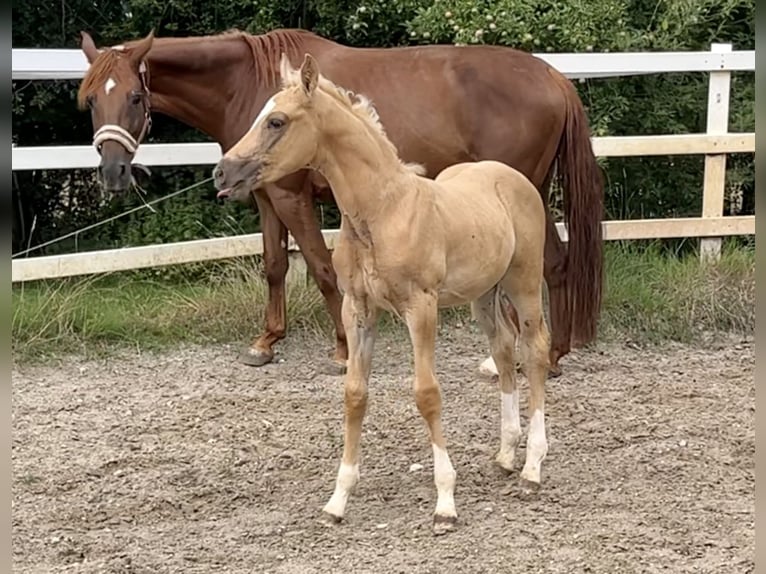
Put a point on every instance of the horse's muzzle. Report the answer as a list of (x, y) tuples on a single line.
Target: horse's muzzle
[(115, 175)]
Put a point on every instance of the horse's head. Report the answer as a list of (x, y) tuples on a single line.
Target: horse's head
[(116, 89), (283, 139)]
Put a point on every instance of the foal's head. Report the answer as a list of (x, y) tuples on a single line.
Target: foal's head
[(116, 89), (283, 139)]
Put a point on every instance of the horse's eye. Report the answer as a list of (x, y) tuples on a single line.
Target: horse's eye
[(276, 123), (91, 101), (135, 98)]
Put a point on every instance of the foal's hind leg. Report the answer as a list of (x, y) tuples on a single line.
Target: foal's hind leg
[(525, 287), (502, 343), (488, 367)]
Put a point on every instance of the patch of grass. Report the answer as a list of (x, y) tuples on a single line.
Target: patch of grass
[(92, 315), (650, 297)]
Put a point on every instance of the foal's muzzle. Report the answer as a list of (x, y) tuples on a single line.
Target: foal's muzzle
[(230, 175)]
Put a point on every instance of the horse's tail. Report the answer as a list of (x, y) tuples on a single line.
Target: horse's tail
[(582, 182)]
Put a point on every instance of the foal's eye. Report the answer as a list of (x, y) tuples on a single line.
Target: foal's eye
[(276, 123)]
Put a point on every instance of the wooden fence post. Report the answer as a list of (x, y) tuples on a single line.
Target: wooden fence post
[(297, 272), (715, 164)]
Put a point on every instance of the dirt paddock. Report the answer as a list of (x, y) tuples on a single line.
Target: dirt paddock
[(189, 462)]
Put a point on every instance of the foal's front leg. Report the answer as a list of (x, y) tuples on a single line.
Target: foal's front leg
[(359, 319), (421, 318)]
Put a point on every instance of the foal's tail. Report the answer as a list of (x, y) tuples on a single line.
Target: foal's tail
[(582, 182)]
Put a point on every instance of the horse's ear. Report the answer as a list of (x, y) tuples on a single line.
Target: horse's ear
[(88, 47), (309, 74), (141, 48)]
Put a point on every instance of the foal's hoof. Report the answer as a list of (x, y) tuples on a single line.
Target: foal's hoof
[(255, 358), (528, 487), (505, 462), (330, 519), (443, 524)]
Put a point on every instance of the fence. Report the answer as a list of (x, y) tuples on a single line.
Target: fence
[(715, 144)]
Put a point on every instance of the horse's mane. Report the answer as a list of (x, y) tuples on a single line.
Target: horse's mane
[(266, 50), (358, 104)]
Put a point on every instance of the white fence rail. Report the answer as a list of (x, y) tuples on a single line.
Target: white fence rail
[(84, 156), (715, 144)]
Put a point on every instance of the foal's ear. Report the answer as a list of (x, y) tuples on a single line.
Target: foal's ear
[(285, 69), (139, 50), (309, 74), (88, 47)]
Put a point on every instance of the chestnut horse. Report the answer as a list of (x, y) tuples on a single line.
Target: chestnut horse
[(440, 105), (411, 245)]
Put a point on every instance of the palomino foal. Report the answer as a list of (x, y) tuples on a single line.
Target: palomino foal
[(410, 245)]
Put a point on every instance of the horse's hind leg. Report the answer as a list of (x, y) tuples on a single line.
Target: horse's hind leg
[(489, 313), (525, 286)]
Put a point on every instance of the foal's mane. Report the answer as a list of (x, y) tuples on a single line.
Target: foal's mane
[(265, 49), (358, 104)]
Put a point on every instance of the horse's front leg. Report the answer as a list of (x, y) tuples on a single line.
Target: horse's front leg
[(360, 319), (274, 232), (296, 209), (421, 316)]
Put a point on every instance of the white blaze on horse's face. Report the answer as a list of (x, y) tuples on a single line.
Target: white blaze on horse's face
[(109, 86)]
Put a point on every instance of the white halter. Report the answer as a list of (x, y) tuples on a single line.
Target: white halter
[(115, 133)]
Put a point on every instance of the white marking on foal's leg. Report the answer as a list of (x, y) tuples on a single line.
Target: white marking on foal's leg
[(109, 85), (537, 448), (510, 428), (444, 478), (348, 476), (488, 367)]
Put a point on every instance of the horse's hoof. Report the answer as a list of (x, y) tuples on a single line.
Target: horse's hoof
[(554, 372), (330, 519), (255, 358), (334, 368), (443, 524)]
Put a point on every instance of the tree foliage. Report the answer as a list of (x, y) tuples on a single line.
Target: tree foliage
[(44, 113)]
